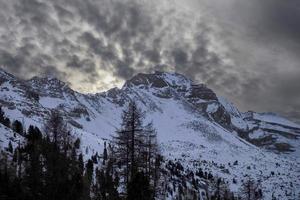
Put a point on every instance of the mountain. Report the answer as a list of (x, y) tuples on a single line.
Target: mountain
[(194, 125)]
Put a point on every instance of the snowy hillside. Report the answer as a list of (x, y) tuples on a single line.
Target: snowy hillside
[(7, 135), (193, 125)]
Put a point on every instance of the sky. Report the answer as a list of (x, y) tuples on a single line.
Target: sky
[(245, 50)]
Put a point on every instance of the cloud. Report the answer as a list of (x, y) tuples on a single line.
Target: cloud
[(85, 65), (238, 47)]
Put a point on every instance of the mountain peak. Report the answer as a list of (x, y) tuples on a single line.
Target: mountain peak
[(159, 80), (47, 80), (50, 86)]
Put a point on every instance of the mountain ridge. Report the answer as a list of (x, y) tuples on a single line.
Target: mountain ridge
[(193, 123), (163, 85)]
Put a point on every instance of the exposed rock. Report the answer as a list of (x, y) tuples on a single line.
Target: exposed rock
[(200, 91), (151, 80)]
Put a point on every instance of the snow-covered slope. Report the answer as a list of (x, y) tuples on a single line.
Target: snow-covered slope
[(6, 136), (193, 124)]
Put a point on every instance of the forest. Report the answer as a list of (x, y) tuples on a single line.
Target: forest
[(50, 164)]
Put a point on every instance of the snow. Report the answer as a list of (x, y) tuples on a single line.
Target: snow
[(6, 135), (273, 118), (48, 102), (8, 92), (236, 117), (183, 133), (212, 108), (174, 79), (257, 134)]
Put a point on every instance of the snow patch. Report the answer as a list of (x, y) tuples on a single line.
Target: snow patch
[(48, 102)]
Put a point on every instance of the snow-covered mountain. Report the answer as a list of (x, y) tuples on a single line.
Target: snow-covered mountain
[(193, 124)]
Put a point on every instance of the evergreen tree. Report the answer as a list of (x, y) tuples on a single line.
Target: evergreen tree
[(2, 115), (88, 177), (250, 190), (128, 139), (4, 120), (49, 167), (139, 188), (89, 171), (10, 187), (136, 149), (57, 130), (63, 172), (80, 163), (104, 154), (220, 189), (77, 143), (10, 147), (33, 178), (17, 127), (106, 183)]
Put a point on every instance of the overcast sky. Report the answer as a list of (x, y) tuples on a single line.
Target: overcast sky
[(246, 50)]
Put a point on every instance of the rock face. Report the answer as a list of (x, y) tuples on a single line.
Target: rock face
[(193, 123), (272, 132), (150, 80), (158, 80), (49, 86), (200, 91)]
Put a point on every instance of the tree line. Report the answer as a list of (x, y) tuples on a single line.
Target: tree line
[(50, 165), (45, 166)]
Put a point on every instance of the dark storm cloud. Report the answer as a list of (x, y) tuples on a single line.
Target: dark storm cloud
[(97, 46), (27, 49), (63, 13), (125, 35), (237, 47), (283, 17), (153, 56), (262, 39), (180, 57), (52, 71), (35, 15), (85, 65), (7, 59), (123, 69)]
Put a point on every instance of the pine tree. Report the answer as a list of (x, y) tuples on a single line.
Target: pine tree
[(104, 154), (56, 129), (10, 187), (127, 140), (63, 178), (151, 154), (33, 167), (10, 147), (89, 171), (250, 190), (81, 163), (76, 172), (4, 120), (106, 182), (17, 127), (48, 167), (77, 143), (136, 149), (88, 177), (2, 115), (139, 188)]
